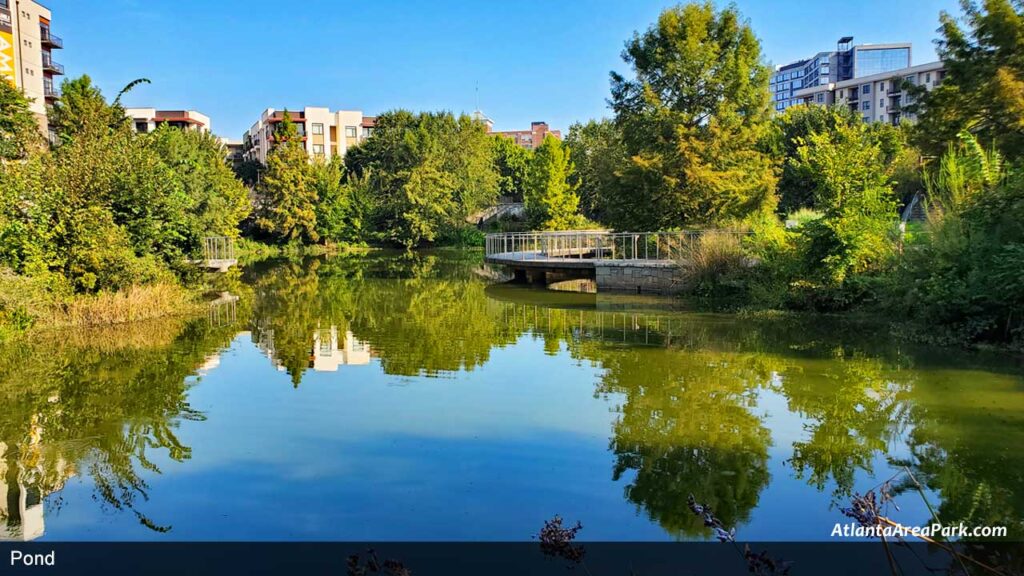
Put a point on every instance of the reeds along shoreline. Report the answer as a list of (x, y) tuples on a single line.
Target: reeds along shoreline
[(134, 304)]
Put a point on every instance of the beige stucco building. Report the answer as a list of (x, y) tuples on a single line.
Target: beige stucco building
[(324, 133), (147, 119), (26, 53), (879, 97)]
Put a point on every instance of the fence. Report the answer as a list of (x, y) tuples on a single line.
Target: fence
[(218, 248), (598, 245)]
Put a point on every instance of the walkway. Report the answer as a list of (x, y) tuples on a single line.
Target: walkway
[(631, 261)]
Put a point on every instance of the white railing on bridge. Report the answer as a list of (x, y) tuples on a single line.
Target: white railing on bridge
[(218, 248), (597, 244)]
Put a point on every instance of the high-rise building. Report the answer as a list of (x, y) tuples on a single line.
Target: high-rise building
[(26, 53), (147, 119), (846, 62), (880, 97), (323, 133)]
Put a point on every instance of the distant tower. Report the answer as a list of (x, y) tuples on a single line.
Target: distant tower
[(478, 114)]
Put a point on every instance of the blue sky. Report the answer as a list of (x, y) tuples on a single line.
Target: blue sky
[(532, 59)]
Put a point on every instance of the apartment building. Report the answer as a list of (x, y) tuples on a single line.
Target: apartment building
[(147, 119), (26, 53), (323, 133), (532, 138), (846, 62), (880, 97)]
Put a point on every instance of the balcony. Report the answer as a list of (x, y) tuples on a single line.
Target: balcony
[(50, 93), (52, 67), (50, 40)]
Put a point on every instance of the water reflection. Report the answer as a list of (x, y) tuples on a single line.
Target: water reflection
[(755, 417)]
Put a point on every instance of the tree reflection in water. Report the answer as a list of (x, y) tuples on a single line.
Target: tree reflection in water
[(687, 389), (98, 403)]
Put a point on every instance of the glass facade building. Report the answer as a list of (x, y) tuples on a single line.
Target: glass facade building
[(869, 61), (844, 63)]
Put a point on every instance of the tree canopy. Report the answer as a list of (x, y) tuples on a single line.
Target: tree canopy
[(691, 121)]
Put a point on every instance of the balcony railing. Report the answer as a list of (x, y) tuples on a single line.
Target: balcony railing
[(50, 66), (49, 39), (50, 92)]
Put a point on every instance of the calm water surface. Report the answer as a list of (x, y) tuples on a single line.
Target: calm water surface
[(409, 398)]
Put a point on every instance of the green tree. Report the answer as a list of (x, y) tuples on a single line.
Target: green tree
[(852, 187), (796, 187), (218, 201), (19, 129), (692, 120), (287, 193), (511, 162), (597, 152), (426, 172), (83, 109), (551, 200), (983, 88)]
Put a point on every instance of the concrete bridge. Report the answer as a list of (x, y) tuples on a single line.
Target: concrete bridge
[(642, 262)]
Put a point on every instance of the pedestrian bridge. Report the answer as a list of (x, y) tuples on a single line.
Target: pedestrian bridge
[(625, 261)]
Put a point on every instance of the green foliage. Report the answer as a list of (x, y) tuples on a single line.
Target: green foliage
[(82, 109), (791, 129), (851, 187), (218, 201), (109, 209), (340, 214), (511, 162), (983, 88), (967, 276), (19, 130), (692, 121), (287, 194), (597, 151), (426, 173), (551, 201)]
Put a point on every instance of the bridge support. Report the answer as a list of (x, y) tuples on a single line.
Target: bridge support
[(639, 276)]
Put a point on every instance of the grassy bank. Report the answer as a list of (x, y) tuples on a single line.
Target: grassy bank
[(29, 303)]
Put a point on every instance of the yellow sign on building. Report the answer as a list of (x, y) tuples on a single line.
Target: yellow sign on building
[(7, 55)]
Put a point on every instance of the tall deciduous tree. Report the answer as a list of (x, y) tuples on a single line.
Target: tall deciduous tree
[(288, 194), (551, 199), (692, 122), (983, 90), (511, 162), (427, 172), (597, 152)]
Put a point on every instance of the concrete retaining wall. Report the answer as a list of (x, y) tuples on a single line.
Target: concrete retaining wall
[(638, 276)]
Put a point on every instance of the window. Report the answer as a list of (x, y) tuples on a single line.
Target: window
[(318, 129), (865, 89), (350, 131), (142, 127), (881, 103), (871, 61), (866, 105), (927, 77), (881, 86), (821, 97), (867, 118), (318, 149)]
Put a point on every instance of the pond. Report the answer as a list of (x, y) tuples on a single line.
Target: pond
[(390, 397)]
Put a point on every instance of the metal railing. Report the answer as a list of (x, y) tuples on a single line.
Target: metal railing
[(50, 66), (218, 248), (51, 39), (597, 245)]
